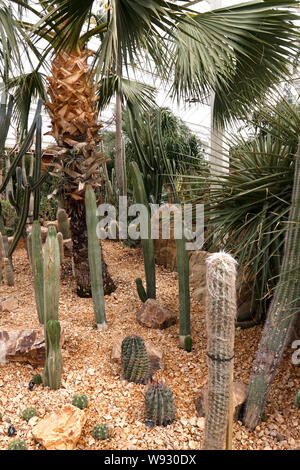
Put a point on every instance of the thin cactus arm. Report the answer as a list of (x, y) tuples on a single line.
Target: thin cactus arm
[(22, 222), (37, 167)]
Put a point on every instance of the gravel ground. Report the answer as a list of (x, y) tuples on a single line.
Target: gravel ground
[(88, 370)]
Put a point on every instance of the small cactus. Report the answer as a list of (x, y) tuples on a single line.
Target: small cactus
[(29, 413), (141, 290), (17, 444), (9, 274), (135, 360), (61, 246), (160, 408), (101, 432), (63, 223), (297, 400), (81, 401), (37, 379)]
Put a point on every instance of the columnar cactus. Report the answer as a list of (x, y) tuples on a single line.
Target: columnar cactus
[(9, 273), (95, 261), (1, 258), (54, 357), (61, 246), (63, 223), (297, 400), (37, 263), (147, 244), (29, 247), (101, 431), (185, 340), (220, 323), (160, 408), (135, 361), (141, 290)]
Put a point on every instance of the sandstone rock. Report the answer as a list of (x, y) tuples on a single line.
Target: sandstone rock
[(10, 304), (24, 345), (61, 429), (153, 315), (156, 356), (239, 398)]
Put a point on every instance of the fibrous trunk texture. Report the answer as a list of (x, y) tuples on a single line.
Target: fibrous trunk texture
[(281, 316), (77, 156)]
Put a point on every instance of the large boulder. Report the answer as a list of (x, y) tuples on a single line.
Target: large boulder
[(239, 398), (154, 315), (24, 345), (61, 429), (155, 355)]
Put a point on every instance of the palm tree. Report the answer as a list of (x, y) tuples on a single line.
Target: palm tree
[(237, 52)]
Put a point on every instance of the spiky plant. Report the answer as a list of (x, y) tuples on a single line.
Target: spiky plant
[(159, 402), (17, 444), (134, 359), (101, 431), (81, 401), (29, 413)]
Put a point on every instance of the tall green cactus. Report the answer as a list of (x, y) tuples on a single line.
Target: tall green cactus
[(1, 258), (63, 223), (54, 356), (147, 244), (282, 313), (38, 268), (61, 246), (95, 262), (220, 323), (184, 294), (135, 361)]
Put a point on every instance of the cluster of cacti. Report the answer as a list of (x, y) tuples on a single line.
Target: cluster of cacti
[(95, 262), (185, 340), (53, 364), (159, 402), (101, 432), (29, 413), (147, 243), (297, 399), (220, 323), (17, 444), (81, 401), (63, 223), (135, 361)]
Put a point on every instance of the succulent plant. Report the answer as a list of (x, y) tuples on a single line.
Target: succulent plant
[(101, 431), (81, 401), (63, 223), (29, 413), (184, 294), (141, 289), (135, 360), (17, 445), (54, 357), (160, 408), (297, 400), (37, 379), (37, 263)]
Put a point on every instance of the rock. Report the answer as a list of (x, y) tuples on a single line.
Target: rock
[(153, 315), (10, 304), (156, 356), (61, 429), (239, 398), (24, 345)]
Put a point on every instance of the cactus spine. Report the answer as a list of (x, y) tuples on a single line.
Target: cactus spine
[(184, 294), (159, 404), (37, 263), (51, 289), (9, 274), (135, 360), (95, 262), (220, 323), (63, 223), (54, 357), (147, 244)]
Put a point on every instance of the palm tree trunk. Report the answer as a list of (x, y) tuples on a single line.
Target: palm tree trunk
[(281, 316)]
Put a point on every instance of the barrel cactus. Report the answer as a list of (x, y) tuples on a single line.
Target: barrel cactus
[(135, 360), (101, 432), (159, 402), (297, 400), (29, 413), (81, 401), (17, 444), (54, 356)]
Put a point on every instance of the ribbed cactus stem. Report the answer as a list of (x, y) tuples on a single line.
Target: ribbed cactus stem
[(1, 258), (29, 247), (135, 360), (184, 294), (220, 323), (37, 263), (54, 356), (141, 289), (95, 262), (61, 246), (159, 404), (147, 244), (63, 223), (9, 274)]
